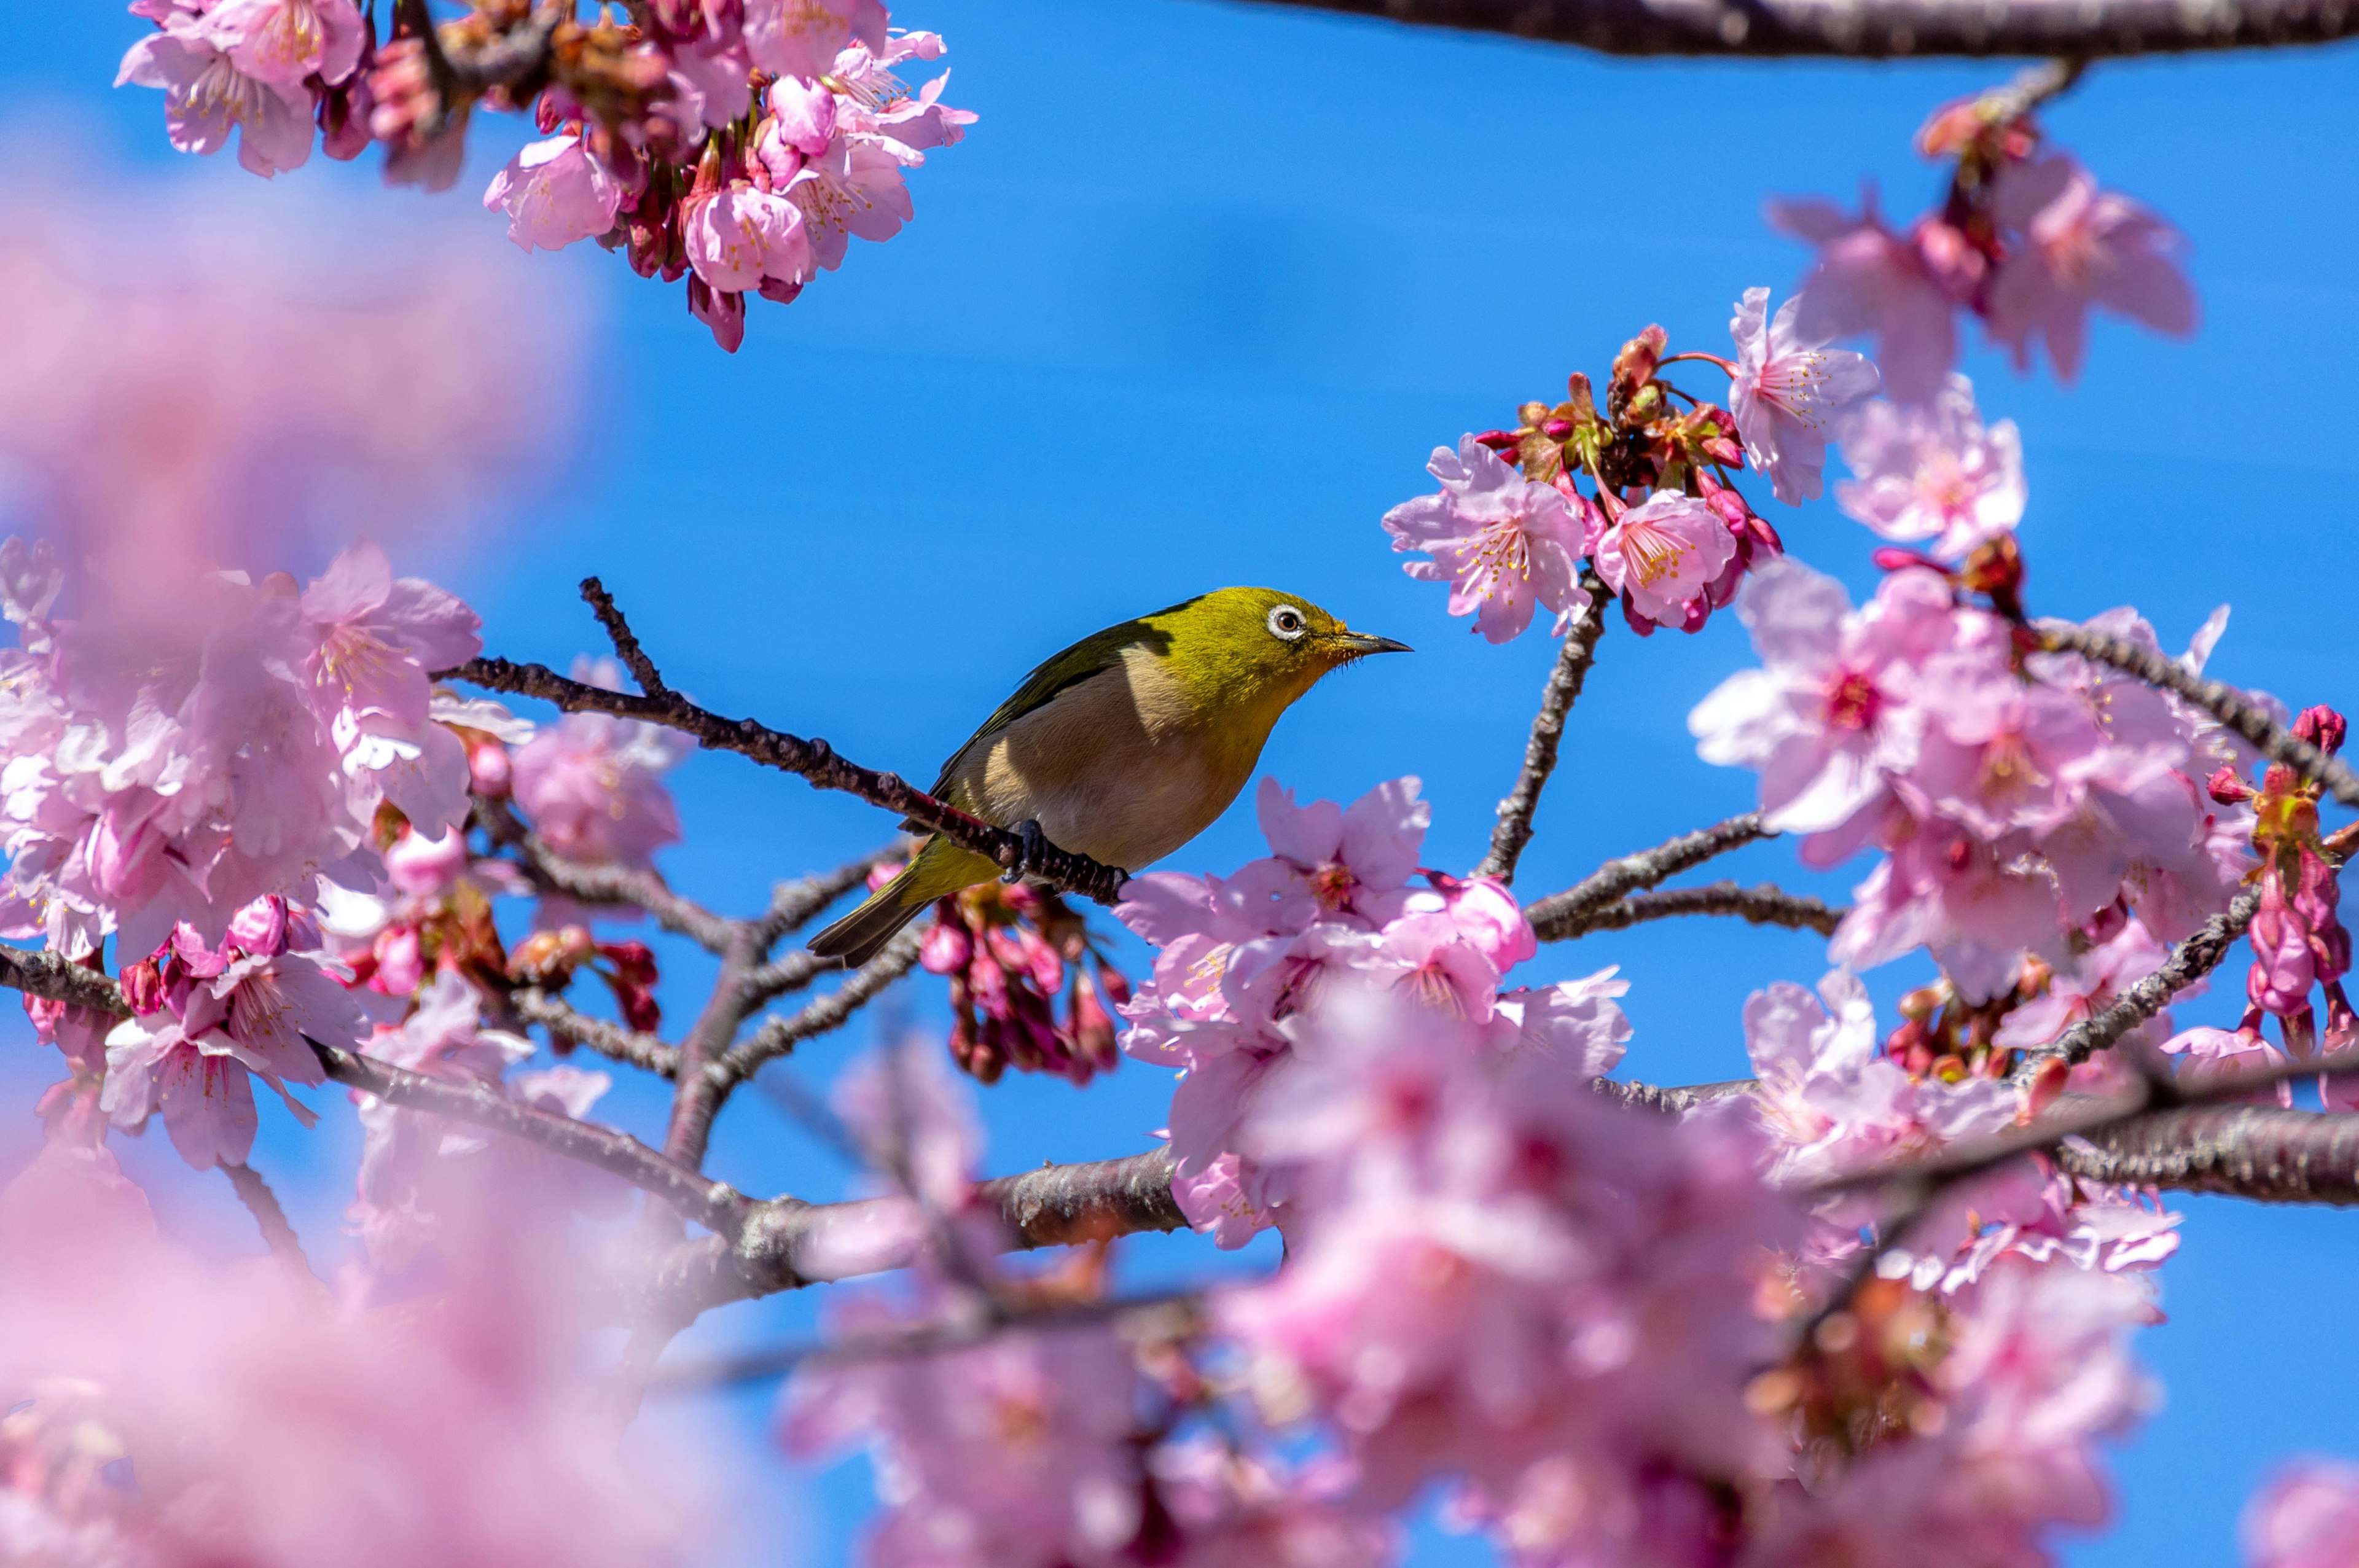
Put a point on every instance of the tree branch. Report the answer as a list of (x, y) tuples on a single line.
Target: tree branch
[(2189, 962), (1557, 697), (1762, 905), (795, 904), (553, 872), (2248, 1151), (559, 1016), (1556, 917), (713, 1205), (618, 631), (2222, 701), (813, 760), (269, 1216), (777, 1036), (1881, 29)]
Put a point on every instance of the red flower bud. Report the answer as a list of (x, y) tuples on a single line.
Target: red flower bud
[(2322, 728), (2227, 788)]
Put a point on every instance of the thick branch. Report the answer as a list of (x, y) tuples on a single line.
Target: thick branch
[(713, 1205), (777, 1036), (1557, 697), (786, 1245), (1762, 905), (813, 760), (1882, 29), (2223, 702), (52, 975), (1557, 915), (2247, 1152)]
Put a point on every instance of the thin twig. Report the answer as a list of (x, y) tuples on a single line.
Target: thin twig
[(584, 884), (776, 1036), (2189, 962), (1552, 915), (813, 760), (1880, 29), (1179, 1308), (558, 1016), (269, 1216), (794, 972), (1557, 697), (2232, 708), (795, 904), (618, 631), (1762, 905)]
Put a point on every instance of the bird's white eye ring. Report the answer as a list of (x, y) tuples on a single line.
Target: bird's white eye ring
[(1286, 622)]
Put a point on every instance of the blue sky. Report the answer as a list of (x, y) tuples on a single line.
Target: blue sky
[(1190, 305)]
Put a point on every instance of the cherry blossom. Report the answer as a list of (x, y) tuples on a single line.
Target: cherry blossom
[(1790, 392), (740, 236), (803, 37), (207, 96), (285, 41), (1661, 557), (1502, 542), (2306, 1517), (591, 783), (2084, 246), (1932, 471), (554, 193), (1869, 280)]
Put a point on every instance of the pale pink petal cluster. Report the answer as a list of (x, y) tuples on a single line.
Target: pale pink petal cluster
[(185, 746), (1501, 542), (227, 70), (244, 1414), (2027, 805), (2306, 1517), (1791, 392), (555, 192), (1665, 556), (592, 784), (1932, 471), (2082, 246), (1248, 963)]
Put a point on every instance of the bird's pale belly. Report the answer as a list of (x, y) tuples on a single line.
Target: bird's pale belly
[(1107, 771)]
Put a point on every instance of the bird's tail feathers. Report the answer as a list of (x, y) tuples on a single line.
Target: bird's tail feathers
[(938, 870)]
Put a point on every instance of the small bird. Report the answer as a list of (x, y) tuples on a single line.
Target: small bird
[(1122, 747)]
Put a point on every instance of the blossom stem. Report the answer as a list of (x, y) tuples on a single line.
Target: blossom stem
[(269, 1217), (1696, 355), (1557, 697)]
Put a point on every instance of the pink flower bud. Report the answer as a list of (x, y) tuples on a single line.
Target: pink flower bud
[(400, 961), (259, 930), (2322, 728), (423, 866), (947, 948), (2283, 969), (44, 1013), (490, 771), (2227, 788), (143, 988), (1892, 558)]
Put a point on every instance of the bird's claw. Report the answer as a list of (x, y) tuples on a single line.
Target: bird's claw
[(1036, 849)]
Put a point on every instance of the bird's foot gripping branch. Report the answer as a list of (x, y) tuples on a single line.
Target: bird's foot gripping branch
[(1874, 1302)]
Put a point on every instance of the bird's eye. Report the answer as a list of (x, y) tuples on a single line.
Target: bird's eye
[(1286, 622)]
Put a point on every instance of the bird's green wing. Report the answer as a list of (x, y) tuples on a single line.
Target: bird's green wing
[(1099, 651)]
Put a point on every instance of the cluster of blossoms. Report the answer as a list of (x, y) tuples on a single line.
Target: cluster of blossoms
[(1498, 1281), (1666, 531), (1008, 951), (2025, 239), (740, 144)]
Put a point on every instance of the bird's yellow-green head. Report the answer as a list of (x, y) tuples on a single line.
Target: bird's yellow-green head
[(1255, 647)]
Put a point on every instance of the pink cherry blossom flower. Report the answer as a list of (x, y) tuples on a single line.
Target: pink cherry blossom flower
[(1977, 910), (1334, 863), (1931, 472), (1661, 557), (740, 236), (1867, 279), (554, 193), (2082, 247), (285, 41), (1828, 720), (1501, 542), (1790, 393), (373, 637), (2308, 1517), (852, 189), (591, 785), (802, 38), (206, 97)]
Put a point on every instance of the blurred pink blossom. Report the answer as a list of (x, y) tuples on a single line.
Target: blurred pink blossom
[(2084, 246), (2306, 1517), (1931, 472), (593, 785)]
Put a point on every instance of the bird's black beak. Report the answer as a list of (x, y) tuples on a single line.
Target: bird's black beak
[(1360, 642)]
